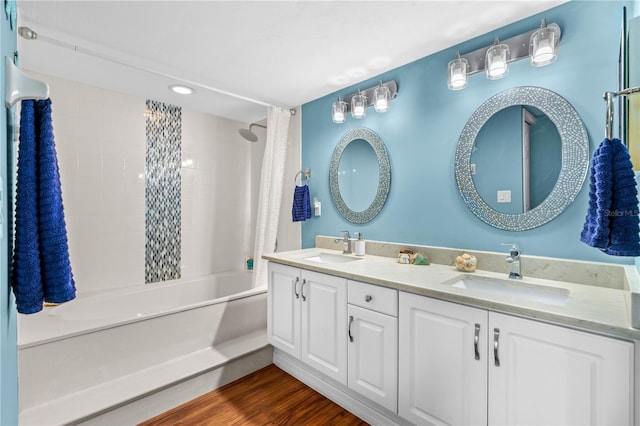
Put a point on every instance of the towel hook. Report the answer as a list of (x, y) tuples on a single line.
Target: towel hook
[(306, 173), (20, 86), (608, 98)]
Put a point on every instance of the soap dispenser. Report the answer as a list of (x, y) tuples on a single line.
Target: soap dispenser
[(359, 245)]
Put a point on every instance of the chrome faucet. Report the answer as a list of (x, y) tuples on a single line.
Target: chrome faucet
[(346, 241), (514, 260)]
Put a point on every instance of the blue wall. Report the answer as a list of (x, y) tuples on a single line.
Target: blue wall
[(422, 128)]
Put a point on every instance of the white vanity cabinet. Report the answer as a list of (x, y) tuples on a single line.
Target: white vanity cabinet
[(306, 318), (373, 343), (554, 375), (463, 365), (442, 364)]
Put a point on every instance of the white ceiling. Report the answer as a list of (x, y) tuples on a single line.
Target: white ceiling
[(283, 53)]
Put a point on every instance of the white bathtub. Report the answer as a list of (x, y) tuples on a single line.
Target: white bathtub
[(124, 356)]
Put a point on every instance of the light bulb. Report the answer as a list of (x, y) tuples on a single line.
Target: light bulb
[(457, 81), (497, 68), (382, 105), (543, 54)]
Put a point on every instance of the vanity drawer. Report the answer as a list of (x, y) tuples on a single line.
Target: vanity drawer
[(374, 297)]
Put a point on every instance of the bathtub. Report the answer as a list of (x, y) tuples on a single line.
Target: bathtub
[(126, 355)]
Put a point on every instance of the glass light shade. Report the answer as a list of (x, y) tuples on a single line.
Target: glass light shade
[(359, 106), (382, 97), (496, 64), (457, 74), (543, 47), (339, 111)]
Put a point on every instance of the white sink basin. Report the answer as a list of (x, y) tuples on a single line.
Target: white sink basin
[(330, 258), (512, 288)]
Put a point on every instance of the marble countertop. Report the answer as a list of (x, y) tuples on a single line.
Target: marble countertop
[(592, 308)]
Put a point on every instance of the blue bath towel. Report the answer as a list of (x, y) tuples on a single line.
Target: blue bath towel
[(41, 270), (612, 224), (301, 209)]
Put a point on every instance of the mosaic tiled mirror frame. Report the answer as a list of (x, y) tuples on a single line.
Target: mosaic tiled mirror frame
[(384, 175), (575, 157)]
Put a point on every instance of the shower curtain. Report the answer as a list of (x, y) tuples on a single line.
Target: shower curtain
[(271, 186)]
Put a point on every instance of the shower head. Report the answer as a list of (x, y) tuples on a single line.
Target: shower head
[(248, 134)]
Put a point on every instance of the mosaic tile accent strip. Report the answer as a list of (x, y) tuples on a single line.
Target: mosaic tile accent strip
[(575, 157), (162, 191)]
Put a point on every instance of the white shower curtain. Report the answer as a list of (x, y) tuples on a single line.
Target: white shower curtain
[(271, 185)]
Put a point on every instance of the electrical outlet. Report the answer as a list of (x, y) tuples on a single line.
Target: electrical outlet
[(504, 196), (473, 169)]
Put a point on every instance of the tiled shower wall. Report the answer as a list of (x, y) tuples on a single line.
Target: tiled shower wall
[(101, 143)]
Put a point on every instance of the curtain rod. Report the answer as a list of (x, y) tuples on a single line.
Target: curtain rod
[(28, 34)]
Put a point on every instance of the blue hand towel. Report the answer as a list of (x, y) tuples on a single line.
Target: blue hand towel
[(41, 269), (301, 209), (26, 278), (612, 222)]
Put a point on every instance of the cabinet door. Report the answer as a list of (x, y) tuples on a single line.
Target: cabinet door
[(442, 362), (283, 308), (373, 356), (324, 324), (553, 375)]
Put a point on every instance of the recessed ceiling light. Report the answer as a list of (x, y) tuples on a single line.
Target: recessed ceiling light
[(181, 90)]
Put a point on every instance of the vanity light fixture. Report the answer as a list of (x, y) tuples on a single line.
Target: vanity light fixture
[(359, 105), (457, 73), (539, 45), (379, 97), (339, 111), (181, 89)]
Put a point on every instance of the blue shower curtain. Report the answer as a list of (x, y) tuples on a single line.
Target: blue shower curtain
[(41, 270)]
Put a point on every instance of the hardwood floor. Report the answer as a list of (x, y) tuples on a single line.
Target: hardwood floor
[(267, 397)]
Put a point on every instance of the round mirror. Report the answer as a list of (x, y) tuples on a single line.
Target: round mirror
[(357, 169), (514, 185), (359, 175), (517, 152)]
